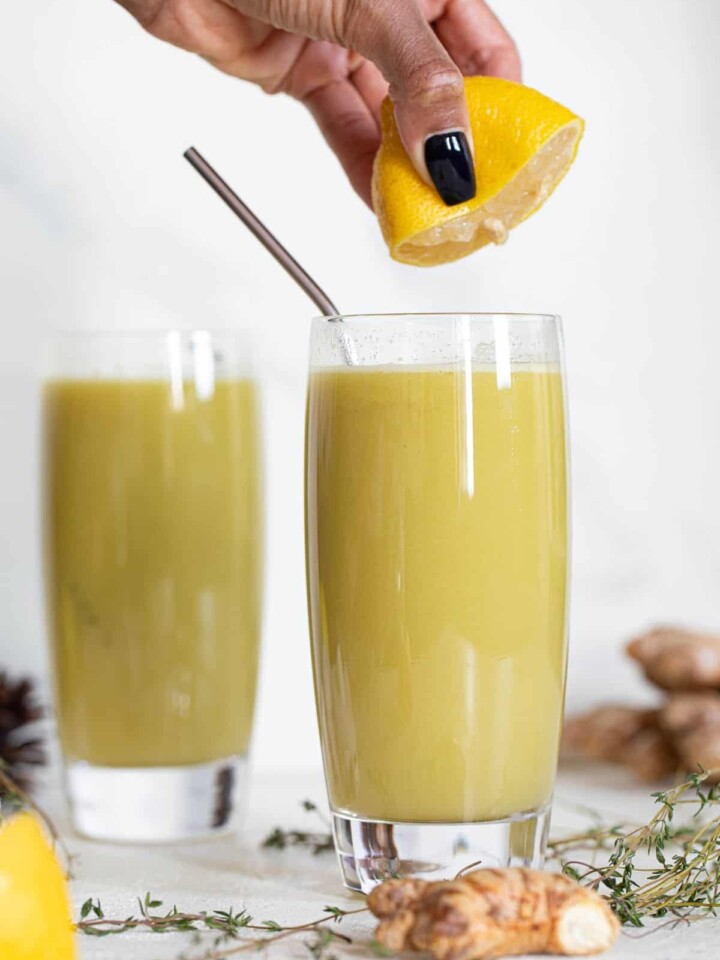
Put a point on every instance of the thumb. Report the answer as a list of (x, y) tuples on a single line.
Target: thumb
[(427, 90)]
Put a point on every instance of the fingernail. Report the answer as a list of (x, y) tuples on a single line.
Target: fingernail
[(448, 160)]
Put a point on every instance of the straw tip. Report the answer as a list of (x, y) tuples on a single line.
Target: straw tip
[(190, 153)]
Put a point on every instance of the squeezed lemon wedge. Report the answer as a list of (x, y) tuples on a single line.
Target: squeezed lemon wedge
[(524, 144)]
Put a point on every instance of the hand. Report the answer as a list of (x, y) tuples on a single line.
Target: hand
[(341, 57)]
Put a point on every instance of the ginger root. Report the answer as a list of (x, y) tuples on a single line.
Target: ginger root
[(493, 913), (691, 721), (683, 734), (675, 659), (626, 735)]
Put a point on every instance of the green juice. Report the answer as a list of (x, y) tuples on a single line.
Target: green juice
[(153, 550), (437, 568)]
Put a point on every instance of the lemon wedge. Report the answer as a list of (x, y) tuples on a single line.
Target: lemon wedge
[(524, 144), (35, 922)]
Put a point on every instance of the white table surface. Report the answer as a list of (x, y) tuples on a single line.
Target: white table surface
[(293, 886)]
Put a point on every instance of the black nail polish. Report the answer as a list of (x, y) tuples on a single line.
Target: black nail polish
[(447, 157)]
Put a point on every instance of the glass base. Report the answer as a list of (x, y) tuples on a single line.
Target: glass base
[(371, 851), (156, 804)]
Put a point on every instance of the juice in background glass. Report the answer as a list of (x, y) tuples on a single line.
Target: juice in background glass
[(153, 543), (437, 569)]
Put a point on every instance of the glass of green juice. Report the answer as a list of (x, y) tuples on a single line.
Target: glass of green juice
[(153, 569), (437, 519)]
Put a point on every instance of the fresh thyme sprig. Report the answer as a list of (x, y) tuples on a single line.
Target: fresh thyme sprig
[(682, 877), (318, 842), (318, 944), (227, 925), (231, 925), (94, 923), (595, 839)]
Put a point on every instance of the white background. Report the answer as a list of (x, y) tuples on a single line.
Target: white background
[(102, 224)]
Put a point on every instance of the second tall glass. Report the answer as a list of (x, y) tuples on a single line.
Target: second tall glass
[(437, 546), (153, 545)]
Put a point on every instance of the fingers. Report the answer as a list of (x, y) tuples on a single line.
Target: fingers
[(427, 89), (209, 28), (321, 78), (144, 11), (370, 84), (350, 128), (422, 72), (477, 41)]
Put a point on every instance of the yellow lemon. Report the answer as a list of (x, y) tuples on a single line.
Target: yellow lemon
[(524, 144), (35, 919)]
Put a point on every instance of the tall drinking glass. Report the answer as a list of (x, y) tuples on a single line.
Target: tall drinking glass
[(437, 558), (153, 555)]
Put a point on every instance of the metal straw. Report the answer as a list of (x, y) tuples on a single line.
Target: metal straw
[(266, 238)]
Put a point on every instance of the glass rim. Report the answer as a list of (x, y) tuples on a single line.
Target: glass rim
[(139, 334), (421, 315)]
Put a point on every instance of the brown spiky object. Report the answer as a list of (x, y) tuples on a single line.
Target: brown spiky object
[(21, 748)]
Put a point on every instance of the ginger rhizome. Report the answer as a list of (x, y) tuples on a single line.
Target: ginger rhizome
[(621, 734), (675, 659), (682, 733), (691, 722), (493, 913)]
